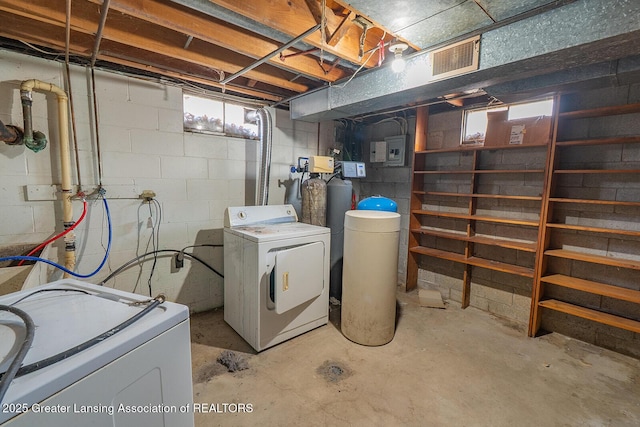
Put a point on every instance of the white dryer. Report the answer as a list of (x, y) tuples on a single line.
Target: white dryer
[(276, 274)]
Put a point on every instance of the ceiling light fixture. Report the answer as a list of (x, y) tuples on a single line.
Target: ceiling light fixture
[(397, 48)]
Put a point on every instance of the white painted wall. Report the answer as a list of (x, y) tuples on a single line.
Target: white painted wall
[(143, 146)]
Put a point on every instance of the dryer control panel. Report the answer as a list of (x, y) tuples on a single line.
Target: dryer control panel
[(241, 216)]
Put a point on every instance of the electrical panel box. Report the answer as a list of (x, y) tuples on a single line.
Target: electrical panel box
[(395, 151), (353, 170), (321, 164), (378, 151)]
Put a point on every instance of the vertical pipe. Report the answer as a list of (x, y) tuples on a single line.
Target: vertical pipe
[(27, 87), (266, 141), (26, 100)]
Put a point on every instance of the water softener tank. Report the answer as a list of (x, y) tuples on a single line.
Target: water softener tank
[(339, 195), (314, 201), (370, 276)]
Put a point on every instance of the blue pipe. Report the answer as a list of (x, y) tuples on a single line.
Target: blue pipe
[(66, 270)]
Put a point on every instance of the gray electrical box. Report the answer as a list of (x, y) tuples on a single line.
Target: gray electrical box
[(396, 147)]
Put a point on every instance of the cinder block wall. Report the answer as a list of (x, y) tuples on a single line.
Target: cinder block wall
[(621, 187), (392, 182), (194, 176)]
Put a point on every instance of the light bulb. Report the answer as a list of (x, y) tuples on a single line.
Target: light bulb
[(398, 63)]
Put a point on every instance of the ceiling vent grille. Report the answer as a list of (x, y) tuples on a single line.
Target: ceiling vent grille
[(455, 59)]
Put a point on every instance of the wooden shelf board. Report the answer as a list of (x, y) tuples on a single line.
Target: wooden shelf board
[(596, 259), (513, 221), (596, 316), (479, 196), (594, 202), (594, 229), (504, 243), (478, 148), (592, 287), (443, 172), (595, 171), (602, 111), (483, 171), (475, 261), (496, 171), (483, 240), (600, 141)]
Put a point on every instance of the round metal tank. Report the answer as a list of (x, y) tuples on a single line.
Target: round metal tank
[(314, 201), (370, 276), (339, 195), (378, 203)]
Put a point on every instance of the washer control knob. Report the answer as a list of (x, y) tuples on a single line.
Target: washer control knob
[(242, 215)]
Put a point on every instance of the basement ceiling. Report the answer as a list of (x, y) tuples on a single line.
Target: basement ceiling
[(229, 45)]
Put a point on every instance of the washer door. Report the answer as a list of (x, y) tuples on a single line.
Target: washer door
[(299, 275)]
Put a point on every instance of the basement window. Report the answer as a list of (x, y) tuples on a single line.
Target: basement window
[(217, 117), (475, 121)]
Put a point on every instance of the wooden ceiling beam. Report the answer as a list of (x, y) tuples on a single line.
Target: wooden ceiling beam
[(342, 29), (345, 4), (293, 17), (24, 33), (177, 18), (139, 34), (115, 59)]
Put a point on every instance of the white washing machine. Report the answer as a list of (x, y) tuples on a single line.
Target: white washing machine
[(139, 376), (276, 274)]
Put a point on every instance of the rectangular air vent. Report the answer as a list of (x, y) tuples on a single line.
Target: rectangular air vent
[(455, 59)]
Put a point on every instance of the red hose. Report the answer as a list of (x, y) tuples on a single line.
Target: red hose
[(54, 238)]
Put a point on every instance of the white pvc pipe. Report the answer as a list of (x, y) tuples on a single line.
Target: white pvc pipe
[(65, 162)]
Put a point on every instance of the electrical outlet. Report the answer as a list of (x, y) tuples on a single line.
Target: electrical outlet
[(178, 261), (147, 195)]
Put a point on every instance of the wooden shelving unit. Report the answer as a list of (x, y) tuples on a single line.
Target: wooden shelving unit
[(471, 209), (591, 232), (586, 249)]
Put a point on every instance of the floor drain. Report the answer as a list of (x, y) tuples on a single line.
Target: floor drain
[(333, 371), (336, 370)]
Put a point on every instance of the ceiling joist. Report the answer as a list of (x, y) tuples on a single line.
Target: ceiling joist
[(182, 40)]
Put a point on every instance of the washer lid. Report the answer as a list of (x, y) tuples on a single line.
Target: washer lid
[(67, 318)]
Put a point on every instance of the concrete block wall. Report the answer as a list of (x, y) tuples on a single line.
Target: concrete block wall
[(616, 187), (143, 146), (393, 182)]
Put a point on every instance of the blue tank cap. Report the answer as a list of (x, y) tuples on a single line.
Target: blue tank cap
[(378, 203)]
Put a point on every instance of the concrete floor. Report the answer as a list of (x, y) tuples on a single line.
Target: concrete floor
[(447, 367)]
